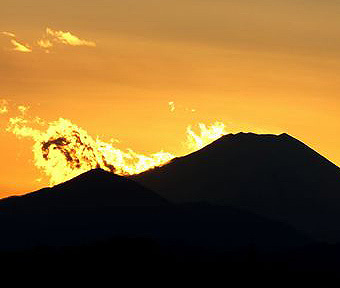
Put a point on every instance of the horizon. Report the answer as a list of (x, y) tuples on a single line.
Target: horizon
[(151, 169), (138, 74)]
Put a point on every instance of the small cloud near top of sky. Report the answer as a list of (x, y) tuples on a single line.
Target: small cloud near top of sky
[(68, 38), (48, 40)]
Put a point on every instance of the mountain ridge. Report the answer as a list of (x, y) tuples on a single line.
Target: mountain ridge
[(276, 176), (94, 187), (84, 210)]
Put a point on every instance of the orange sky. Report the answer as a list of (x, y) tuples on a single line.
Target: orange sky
[(257, 65)]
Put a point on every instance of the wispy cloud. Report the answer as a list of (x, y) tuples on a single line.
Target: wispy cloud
[(50, 38), (9, 34), (20, 47), (179, 107), (45, 43), (172, 106), (3, 106), (190, 110), (17, 46), (23, 109), (68, 38)]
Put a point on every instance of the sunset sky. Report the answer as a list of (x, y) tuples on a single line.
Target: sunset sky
[(141, 71)]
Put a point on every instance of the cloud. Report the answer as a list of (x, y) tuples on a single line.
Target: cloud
[(48, 40), (45, 43), (20, 47), (17, 46), (3, 109), (9, 34), (68, 39), (3, 106), (190, 110), (23, 109), (172, 106)]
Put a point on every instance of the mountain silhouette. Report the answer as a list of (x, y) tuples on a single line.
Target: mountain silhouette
[(272, 175), (95, 189), (100, 223), (99, 205)]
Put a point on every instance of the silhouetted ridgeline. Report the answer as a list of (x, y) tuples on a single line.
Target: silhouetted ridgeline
[(97, 205), (255, 205), (275, 176)]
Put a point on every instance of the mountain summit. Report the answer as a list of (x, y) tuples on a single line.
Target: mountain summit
[(273, 175)]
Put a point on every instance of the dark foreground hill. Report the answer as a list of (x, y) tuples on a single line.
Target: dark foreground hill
[(275, 176), (108, 227), (93, 190), (98, 205)]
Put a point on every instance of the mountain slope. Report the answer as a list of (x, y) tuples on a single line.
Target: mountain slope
[(98, 205), (276, 176), (91, 190)]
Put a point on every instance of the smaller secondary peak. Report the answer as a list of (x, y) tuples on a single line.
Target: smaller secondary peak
[(93, 175), (285, 135), (288, 138), (97, 171)]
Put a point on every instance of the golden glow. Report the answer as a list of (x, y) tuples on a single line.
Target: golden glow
[(65, 150), (207, 135), (258, 66)]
